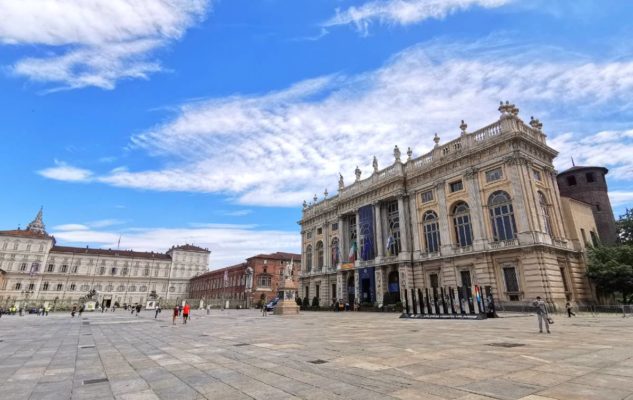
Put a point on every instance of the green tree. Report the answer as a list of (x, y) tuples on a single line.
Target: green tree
[(625, 227), (611, 269)]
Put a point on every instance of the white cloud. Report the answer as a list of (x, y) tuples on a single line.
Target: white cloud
[(279, 148), (404, 12), (620, 198), (64, 172), (94, 42), (230, 244)]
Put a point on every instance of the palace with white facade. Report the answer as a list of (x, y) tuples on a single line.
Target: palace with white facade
[(482, 211), (35, 271)]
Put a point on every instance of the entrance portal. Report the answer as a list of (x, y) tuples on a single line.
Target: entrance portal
[(350, 290)]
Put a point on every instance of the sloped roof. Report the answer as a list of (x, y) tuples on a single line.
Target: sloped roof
[(278, 256), (111, 253), (26, 233), (189, 247)]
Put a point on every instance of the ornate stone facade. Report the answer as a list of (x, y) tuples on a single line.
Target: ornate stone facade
[(37, 271), (483, 209)]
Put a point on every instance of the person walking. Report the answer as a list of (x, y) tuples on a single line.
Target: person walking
[(569, 311), (542, 315), (264, 309), (157, 312), (138, 309), (73, 311), (81, 309), (185, 313), (176, 311)]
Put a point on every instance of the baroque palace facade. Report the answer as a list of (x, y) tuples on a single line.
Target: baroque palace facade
[(35, 271), (481, 210)]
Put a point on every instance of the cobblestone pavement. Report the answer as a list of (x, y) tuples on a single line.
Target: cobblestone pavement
[(317, 355)]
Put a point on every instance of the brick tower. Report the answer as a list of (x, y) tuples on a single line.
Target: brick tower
[(589, 185)]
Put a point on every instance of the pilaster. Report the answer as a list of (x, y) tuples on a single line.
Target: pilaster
[(477, 211)]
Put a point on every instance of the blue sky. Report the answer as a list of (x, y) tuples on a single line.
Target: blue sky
[(163, 122)]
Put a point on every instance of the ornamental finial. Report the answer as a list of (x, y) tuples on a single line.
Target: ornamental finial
[(436, 139), (463, 127), (325, 194), (315, 198), (409, 153)]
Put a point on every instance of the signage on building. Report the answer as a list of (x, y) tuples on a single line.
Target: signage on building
[(347, 265)]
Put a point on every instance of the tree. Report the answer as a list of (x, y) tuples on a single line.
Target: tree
[(611, 269), (625, 227)]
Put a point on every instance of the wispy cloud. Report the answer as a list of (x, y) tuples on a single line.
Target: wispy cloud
[(93, 42), (279, 148), (64, 172), (404, 12), (230, 244)]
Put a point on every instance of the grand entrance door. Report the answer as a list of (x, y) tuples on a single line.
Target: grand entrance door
[(394, 287), (350, 289)]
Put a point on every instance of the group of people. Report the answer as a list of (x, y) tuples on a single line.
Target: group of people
[(184, 310)]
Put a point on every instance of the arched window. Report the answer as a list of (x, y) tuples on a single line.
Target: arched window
[(461, 223), (547, 220), (335, 252), (501, 216), (309, 258), (319, 249), (431, 232)]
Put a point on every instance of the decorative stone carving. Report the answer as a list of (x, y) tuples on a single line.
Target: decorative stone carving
[(315, 198), (325, 193), (536, 124), (341, 184), (375, 164), (357, 172), (409, 154), (396, 153), (471, 173), (436, 139), (463, 127), (305, 204)]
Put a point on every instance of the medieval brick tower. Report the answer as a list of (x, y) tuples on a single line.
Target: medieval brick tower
[(589, 185)]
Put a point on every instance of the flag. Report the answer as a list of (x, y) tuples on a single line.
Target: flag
[(389, 244), (352, 252)]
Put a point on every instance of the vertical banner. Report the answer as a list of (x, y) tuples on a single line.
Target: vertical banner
[(366, 232)]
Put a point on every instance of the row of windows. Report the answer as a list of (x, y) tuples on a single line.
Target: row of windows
[(72, 287)]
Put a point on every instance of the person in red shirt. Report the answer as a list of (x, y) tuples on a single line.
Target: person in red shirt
[(176, 312), (185, 313)]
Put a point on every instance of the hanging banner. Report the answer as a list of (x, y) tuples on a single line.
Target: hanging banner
[(347, 265), (366, 232)]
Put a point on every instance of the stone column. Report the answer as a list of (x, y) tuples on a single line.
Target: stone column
[(477, 212), (445, 233), (556, 208), (341, 241), (327, 256), (357, 262), (314, 252), (339, 285), (415, 228), (378, 275), (523, 226), (356, 287), (380, 247), (404, 278), (402, 221)]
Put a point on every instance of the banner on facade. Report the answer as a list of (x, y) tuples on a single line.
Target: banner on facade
[(347, 265), (366, 232)]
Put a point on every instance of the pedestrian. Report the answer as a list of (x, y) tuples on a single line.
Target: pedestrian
[(40, 311), (73, 311), (185, 313), (46, 309), (138, 309), (176, 312), (81, 309), (264, 309), (569, 311), (179, 310), (157, 312), (541, 313)]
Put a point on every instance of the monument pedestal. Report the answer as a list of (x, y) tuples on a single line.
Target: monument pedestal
[(287, 304)]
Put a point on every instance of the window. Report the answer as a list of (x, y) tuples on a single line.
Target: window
[(264, 281), (172, 289), (309, 235), (597, 207), (133, 288), (84, 287), (494, 175), (319, 231), (353, 236), (590, 177), (335, 257), (18, 286), (31, 286), (393, 221), (317, 291), (431, 232), (512, 283), (109, 288), (28, 247), (72, 287), (146, 272), (427, 196), (563, 276), (308, 258), (51, 268), (124, 271), (465, 275), (64, 269), (23, 267), (594, 238), (35, 267), (45, 286), (15, 246), (456, 186), (142, 289), (547, 220), (335, 226), (571, 180), (501, 216), (59, 287), (75, 267), (435, 280), (320, 256), (584, 237), (113, 271), (461, 223), (101, 270)]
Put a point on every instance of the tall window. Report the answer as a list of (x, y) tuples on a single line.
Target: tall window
[(264, 281), (45, 286), (335, 252), (319, 249), (547, 220), (461, 223), (511, 281), (393, 219), (353, 239), (501, 216), (431, 232), (309, 258), (64, 269)]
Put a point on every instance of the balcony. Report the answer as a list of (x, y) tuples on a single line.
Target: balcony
[(503, 244)]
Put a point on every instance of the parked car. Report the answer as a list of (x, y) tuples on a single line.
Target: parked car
[(271, 306)]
